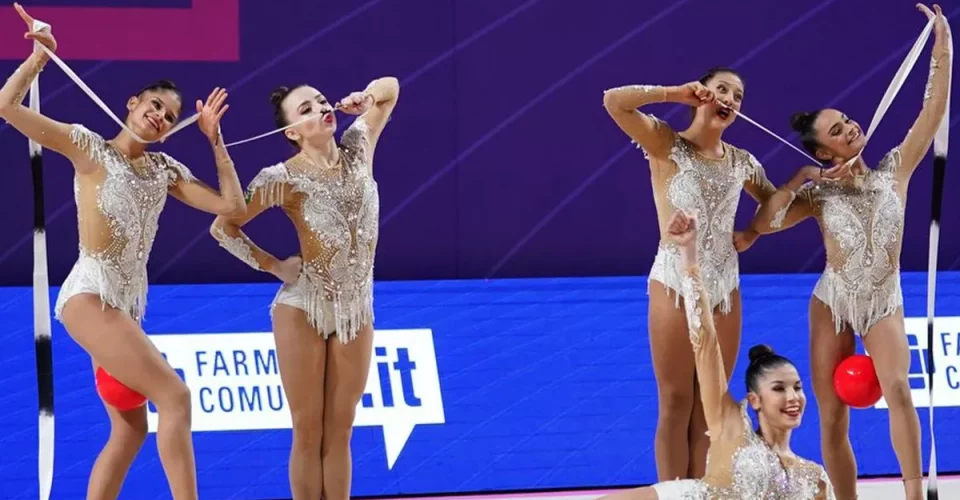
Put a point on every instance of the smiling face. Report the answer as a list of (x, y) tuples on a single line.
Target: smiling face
[(301, 103), (729, 90), (837, 135), (779, 399), (153, 113)]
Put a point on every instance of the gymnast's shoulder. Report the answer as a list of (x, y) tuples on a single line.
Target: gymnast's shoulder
[(271, 175)]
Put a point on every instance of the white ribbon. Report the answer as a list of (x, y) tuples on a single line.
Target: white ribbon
[(38, 26), (892, 90), (277, 131), (775, 136)]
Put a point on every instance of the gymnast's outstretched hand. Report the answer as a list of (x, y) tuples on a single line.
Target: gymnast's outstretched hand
[(211, 112), (682, 231), (44, 36), (940, 27)]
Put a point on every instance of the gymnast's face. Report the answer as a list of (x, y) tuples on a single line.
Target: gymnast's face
[(303, 102), (780, 401), (728, 88), (840, 137), (153, 113)]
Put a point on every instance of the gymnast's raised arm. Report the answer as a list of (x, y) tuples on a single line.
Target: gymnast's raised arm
[(48, 133), (383, 94), (919, 138), (650, 133), (229, 201), (718, 404)]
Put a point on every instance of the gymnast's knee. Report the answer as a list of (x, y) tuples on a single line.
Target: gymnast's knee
[(896, 392), (127, 439), (676, 406), (307, 429), (834, 424), (338, 425)]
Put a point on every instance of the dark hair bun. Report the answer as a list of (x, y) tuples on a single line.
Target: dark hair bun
[(167, 84), (759, 352), (801, 122), (159, 86), (278, 94)]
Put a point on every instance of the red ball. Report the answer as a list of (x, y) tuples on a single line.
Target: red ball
[(116, 394), (856, 383)]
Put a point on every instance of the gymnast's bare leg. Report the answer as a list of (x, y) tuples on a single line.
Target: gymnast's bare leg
[(675, 374), (302, 354), (120, 346), (128, 431), (886, 342), (348, 365), (827, 349)]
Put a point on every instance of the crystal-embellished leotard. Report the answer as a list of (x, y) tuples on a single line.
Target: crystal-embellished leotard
[(862, 218), (740, 464), (336, 214), (117, 210), (711, 188), (862, 227), (750, 469)]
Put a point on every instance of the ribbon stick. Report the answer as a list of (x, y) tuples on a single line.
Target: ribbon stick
[(941, 142), (41, 306)]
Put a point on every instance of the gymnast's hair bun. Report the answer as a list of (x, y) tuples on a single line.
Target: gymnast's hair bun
[(160, 85), (278, 95), (164, 83), (759, 352), (801, 122)]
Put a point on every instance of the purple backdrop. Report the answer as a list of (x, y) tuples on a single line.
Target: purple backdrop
[(500, 160)]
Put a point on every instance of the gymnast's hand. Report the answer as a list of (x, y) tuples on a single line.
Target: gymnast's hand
[(356, 103), (743, 240), (682, 231), (832, 174), (288, 270), (43, 37), (211, 112), (940, 25), (694, 94)]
